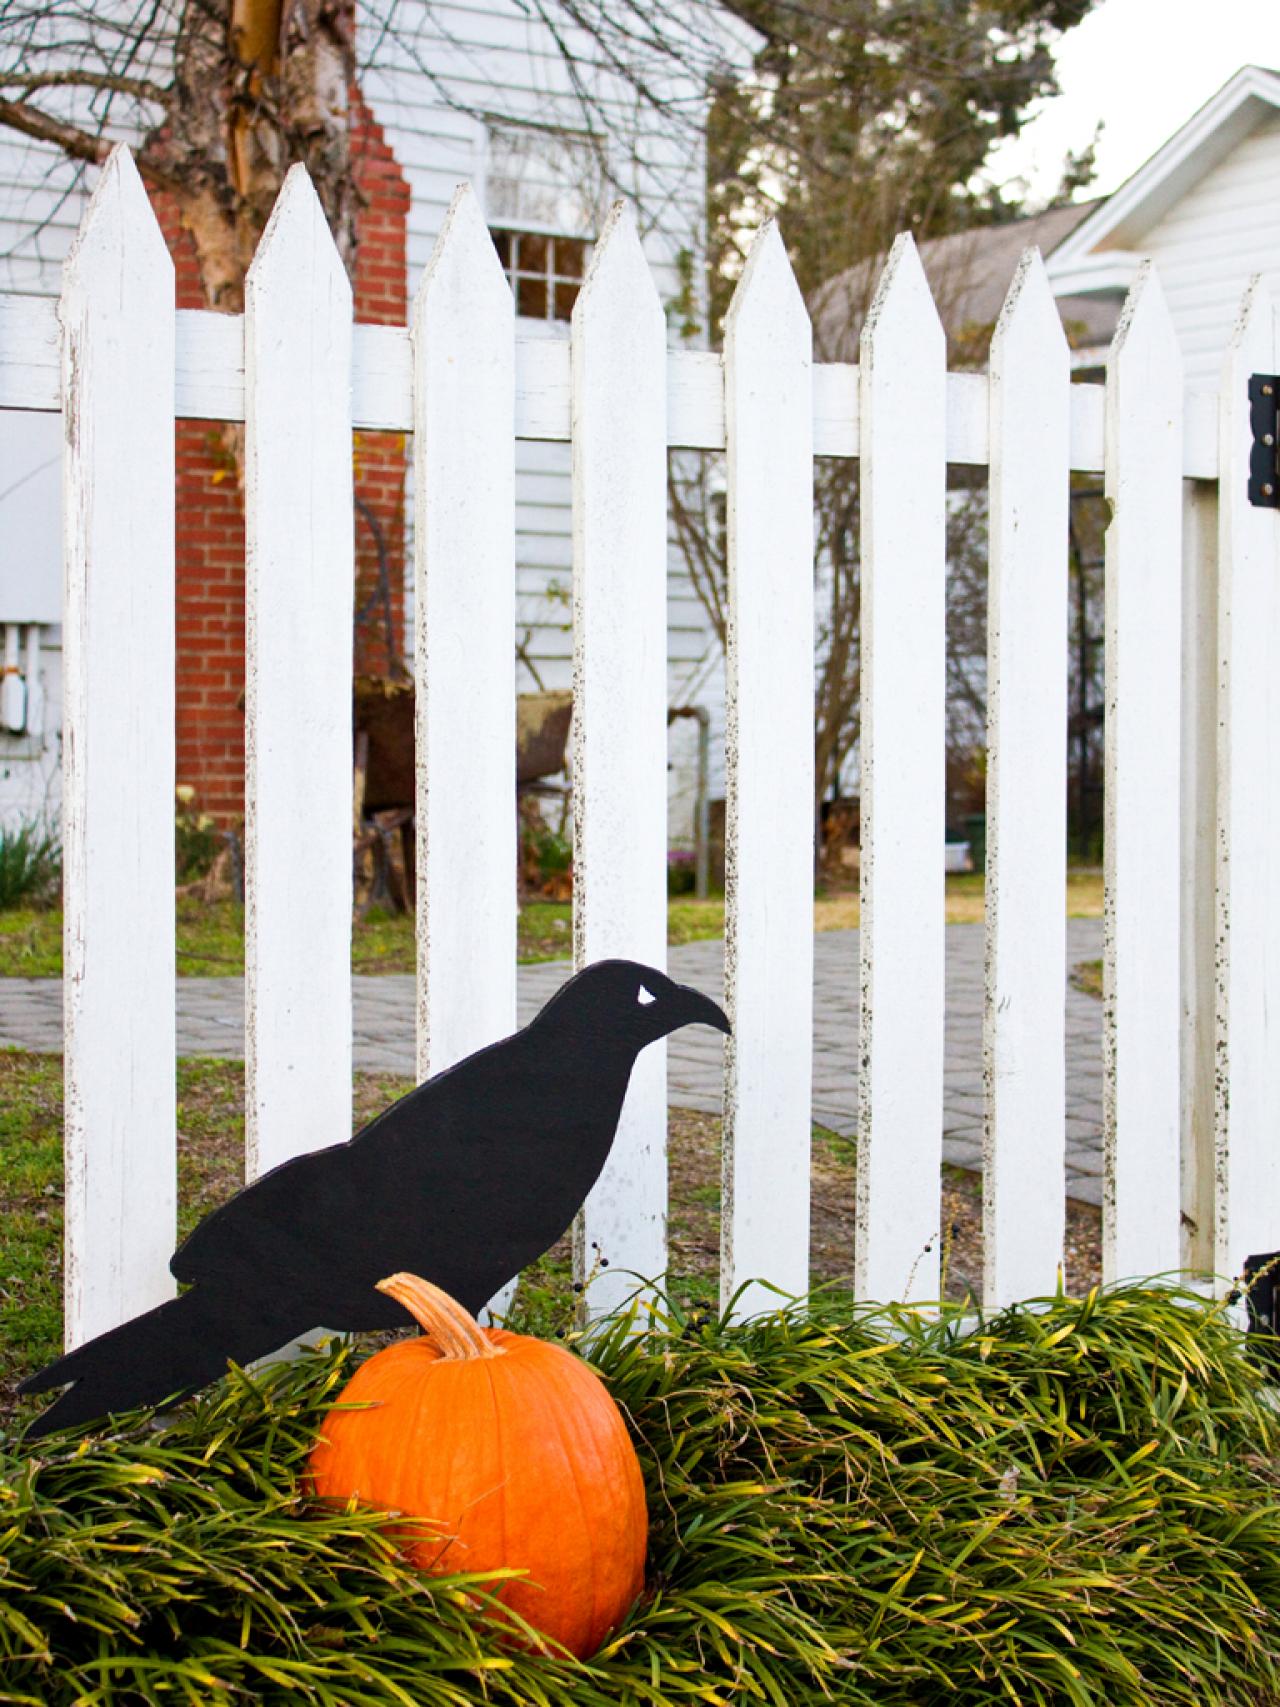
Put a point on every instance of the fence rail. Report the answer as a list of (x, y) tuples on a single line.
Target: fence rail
[(1192, 933)]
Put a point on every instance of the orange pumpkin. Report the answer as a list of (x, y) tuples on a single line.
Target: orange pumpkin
[(512, 1448)]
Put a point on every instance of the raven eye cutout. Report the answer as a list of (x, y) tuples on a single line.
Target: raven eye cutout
[(644, 997)]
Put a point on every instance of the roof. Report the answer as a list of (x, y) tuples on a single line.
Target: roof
[(969, 273), (1116, 226)]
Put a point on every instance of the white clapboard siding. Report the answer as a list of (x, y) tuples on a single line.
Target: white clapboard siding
[(117, 313), (1024, 1055), (464, 609), (298, 629), (1247, 1017), (903, 411), (619, 746), (1142, 996), (770, 782)]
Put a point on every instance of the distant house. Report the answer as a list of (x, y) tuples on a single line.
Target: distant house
[(448, 93), (1205, 207)]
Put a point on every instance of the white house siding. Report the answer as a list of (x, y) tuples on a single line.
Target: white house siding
[(426, 71), (1207, 246), (498, 58)]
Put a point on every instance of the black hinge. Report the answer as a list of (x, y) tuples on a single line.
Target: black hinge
[(1262, 1282), (1264, 461)]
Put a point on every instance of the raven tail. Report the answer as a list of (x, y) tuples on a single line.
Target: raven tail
[(165, 1354)]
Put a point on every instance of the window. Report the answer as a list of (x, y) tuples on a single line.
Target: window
[(545, 272)]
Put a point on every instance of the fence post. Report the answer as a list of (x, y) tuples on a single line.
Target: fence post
[(1247, 958), (770, 780), (299, 602), (1143, 622), (619, 747), (1199, 814), (903, 425), (1024, 1053), (117, 314)]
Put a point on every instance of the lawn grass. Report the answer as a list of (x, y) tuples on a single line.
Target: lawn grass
[(211, 935)]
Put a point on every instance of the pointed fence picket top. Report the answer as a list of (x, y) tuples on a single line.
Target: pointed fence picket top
[(117, 314), (1142, 998), (619, 749), (1024, 1048), (299, 604), (769, 763), (464, 666), (1247, 958), (903, 416)]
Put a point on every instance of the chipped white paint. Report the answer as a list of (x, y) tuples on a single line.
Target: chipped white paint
[(1142, 1001), (463, 661), (118, 727), (1023, 1043), (619, 745), (1247, 1016), (903, 617), (211, 387), (769, 763), (298, 630)]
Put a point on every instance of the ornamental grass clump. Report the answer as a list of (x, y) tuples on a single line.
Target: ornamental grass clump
[(1074, 1503)]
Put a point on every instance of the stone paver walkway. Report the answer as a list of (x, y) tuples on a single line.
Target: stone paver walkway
[(211, 1022)]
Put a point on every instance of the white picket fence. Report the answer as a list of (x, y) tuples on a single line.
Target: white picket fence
[(1193, 737)]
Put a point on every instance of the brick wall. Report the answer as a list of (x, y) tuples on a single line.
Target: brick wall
[(210, 510)]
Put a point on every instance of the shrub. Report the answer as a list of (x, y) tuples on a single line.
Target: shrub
[(30, 865), (1074, 1503), (196, 839), (681, 871)]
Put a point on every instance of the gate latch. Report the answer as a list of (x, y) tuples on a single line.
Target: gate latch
[(1264, 460)]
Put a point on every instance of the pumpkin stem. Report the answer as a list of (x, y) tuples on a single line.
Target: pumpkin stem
[(454, 1329)]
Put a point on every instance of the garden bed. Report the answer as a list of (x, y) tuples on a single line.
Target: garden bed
[(1076, 1504)]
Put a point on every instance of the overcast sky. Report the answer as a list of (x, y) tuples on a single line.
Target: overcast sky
[(1142, 66)]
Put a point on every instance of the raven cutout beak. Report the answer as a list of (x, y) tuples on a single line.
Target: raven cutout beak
[(697, 1009)]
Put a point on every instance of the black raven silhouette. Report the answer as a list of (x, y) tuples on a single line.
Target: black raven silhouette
[(464, 1181)]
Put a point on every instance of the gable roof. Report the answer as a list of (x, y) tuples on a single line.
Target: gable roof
[(1115, 226)]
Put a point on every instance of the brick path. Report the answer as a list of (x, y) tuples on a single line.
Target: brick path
[(211, 1021)]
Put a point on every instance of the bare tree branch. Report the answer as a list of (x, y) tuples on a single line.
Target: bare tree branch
[(79, 144), (139, 88)]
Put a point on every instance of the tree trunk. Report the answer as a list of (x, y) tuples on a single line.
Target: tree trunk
[(258, 85)]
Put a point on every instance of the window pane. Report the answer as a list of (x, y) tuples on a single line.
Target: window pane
[(533, 253), (531, 297), (566, 296), (570, 252), (502, 242)]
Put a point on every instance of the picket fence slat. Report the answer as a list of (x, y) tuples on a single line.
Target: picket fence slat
[(769, 784), (1247, 1008), (118, 755), (464, 667), (1143, 640), (619, 745), (1024, 1050), (299, 606), (903, 672), (210, 386)]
